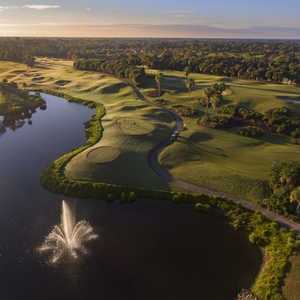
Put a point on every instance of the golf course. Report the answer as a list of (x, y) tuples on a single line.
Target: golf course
[(158, 141)]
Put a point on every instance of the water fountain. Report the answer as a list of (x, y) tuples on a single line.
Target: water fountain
[(69, 237)]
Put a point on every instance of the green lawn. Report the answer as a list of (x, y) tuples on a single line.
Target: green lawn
[(218, 159), (131, 130), (221, 159), (291, 289)]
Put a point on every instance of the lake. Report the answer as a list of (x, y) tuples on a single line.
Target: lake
[(146, 250)]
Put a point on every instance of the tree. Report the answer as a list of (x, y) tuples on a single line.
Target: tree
[(159, 78), (295, 197), (187, 71), (190, 83), (285, 186), (209, 92), (215, 100)]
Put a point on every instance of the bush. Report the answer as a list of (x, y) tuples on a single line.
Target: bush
[(296, 133), (228, 109), (132, 197), (215, 121), (251, 131), (203, 207), (247, 114), (110, 197)]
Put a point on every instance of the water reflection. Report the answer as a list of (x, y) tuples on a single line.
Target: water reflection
[(69, 237)]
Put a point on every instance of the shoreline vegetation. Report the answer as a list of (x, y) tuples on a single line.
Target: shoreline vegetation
[(278, 242), (17, 105)]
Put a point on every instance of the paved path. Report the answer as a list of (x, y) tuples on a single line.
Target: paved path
[(154, 164)]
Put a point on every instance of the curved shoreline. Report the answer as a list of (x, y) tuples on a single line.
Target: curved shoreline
[(54, 180)]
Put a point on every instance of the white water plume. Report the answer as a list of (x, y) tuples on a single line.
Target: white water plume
[(68, 237)]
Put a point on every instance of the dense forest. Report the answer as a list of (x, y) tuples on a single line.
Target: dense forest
[(119, 68), (269, 60)]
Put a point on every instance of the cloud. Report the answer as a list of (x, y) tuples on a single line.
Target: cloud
[(3, 8), (40, 6)]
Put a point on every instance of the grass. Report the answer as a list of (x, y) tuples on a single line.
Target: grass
[(221, 159), (102, 154), (291, 289), (218, 159), (133, 132), (131, 127)]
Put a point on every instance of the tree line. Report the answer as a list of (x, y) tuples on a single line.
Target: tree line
[(120, 69), (270, 60)]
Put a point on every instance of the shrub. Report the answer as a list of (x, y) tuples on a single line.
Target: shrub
[(251, 131), (296, 133), (132, 197), (215, 121), (247, 114), (123, 197), (228, 109), (203, 207), (279, 112), (110, 197)]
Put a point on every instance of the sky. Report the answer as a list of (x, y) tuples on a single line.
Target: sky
[(151, 18)]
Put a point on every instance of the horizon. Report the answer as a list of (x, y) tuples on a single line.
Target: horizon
[(110, 18)]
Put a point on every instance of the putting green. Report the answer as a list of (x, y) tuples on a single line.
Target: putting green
[(103, 154), (135, 126)]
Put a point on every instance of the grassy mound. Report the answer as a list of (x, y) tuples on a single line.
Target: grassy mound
[(134, 126), (133, 138), (103, 154)]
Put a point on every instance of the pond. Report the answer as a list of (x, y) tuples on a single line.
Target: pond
[(147, 250)]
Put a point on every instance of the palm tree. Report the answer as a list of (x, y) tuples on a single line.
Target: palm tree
[(295, 197), (158, 78)]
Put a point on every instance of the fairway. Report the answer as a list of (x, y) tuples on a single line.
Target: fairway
[(291, 289), (102, 154), (134, 126), (131, 127), (121, 156), (218, 159)]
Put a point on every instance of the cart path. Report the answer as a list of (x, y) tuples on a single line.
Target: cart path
[(153, 160)]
